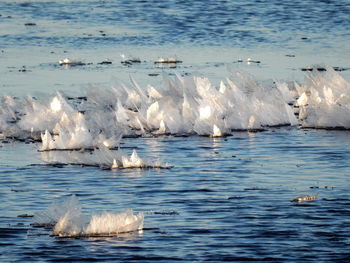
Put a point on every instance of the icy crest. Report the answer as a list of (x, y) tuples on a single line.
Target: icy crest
[(325, 101), (57, 210), (182, 106), (100, 157), (68, 221), (192, 105)]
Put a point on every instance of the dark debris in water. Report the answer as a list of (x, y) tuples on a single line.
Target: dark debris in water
[(255, 189), (325, 187), (44, 225), (58, 165), (166, 213), (97, 235), (23, 69), (105, 62), (235, 197), (311, 69), (323, 69), (153, 74), (81, 98), (25, 215), (200, 231), (30, 24), (19, 190), (130, 62)]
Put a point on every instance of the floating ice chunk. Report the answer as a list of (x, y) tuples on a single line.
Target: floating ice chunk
[(68, 221), (105, 224), (100, 157), (305, 198), (71, 62), (128, 59), (170, 60), (114, 223), (250, 60)]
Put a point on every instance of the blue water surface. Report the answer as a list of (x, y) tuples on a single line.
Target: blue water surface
[(225, 199)]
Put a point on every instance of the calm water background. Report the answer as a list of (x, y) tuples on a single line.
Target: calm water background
[(225, 199)]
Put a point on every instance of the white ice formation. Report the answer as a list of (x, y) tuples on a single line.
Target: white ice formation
[(128, 59), (70, 62), (182, 106), (169, 60), (101, 157), (325, 100), (57, 210), (67, 220)]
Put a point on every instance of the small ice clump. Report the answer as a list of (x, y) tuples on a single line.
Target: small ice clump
[(128, 59), (325, 103), (170, 60), (304, 198), (70, 62), (114, 223), (68, 221)]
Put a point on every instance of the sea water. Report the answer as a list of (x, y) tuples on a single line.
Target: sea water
[(220, 198)]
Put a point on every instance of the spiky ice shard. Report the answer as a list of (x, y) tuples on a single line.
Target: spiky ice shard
[(68, 221), (325, 101)]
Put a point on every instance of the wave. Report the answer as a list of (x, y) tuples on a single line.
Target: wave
[(67, 220)]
